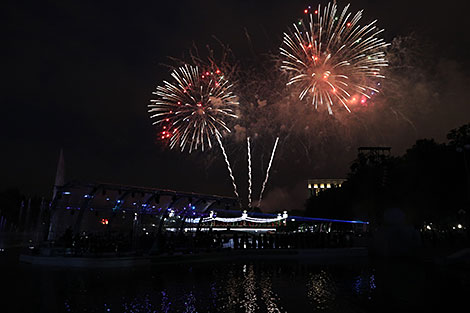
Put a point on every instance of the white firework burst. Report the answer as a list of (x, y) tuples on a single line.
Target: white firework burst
[(194, 107), (331, 59)]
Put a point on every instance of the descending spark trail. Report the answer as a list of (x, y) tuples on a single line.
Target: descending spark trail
[(229, 167), (249, 171), (267, 172)]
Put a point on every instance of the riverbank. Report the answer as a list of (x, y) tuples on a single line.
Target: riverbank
[(334, 255)]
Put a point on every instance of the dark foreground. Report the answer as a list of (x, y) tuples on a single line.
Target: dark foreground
[(258, 284)]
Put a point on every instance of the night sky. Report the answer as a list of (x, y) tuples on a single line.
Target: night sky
[(79, 76)]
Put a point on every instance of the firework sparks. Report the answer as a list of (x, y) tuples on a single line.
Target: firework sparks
[(229, 168), (332, 59), (267, 172), (193, 108), (249, 171)]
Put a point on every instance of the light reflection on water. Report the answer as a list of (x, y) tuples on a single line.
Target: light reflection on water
[(231, 287), (321, 290), (237, 287)]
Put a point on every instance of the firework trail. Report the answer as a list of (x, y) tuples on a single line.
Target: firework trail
[(249, 171), (267, 172), (229, 168), (331, 59), (194, 107)]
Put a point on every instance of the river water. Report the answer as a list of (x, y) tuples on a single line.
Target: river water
[(243, 286)]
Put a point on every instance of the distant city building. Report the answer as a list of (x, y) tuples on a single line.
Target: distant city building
[(315, 186)]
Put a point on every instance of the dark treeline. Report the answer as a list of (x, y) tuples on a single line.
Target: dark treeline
[(429, 183)]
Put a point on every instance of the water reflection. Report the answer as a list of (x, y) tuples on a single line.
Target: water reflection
[(249, 285), (190, 303), (138, 304), (269, 297), (321, 290), (246, 287), (165, 303), (364, 284), (232, 287)]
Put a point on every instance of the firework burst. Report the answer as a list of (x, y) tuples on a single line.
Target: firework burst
[(193, 108), (332, 59)]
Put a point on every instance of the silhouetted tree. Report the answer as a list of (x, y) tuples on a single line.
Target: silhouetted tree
[(430, 182)]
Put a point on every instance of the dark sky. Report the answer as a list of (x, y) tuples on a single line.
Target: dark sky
[(78, 75)]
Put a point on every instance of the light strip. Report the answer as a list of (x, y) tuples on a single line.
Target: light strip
[(223, 229), (242, 218)]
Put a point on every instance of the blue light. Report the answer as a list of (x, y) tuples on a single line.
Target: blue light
[(301, 218), (193, 207), (86, 196), (66, 192)]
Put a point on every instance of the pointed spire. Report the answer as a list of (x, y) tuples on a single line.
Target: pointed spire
[(60, 174)]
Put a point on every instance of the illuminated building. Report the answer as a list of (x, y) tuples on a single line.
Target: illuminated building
[(315, 186), (87, 208)]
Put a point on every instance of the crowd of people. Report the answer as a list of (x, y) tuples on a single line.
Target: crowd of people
[(122, 243), (118, 243)]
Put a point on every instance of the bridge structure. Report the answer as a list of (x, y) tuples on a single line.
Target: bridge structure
[(95, 207), (102, 207)]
